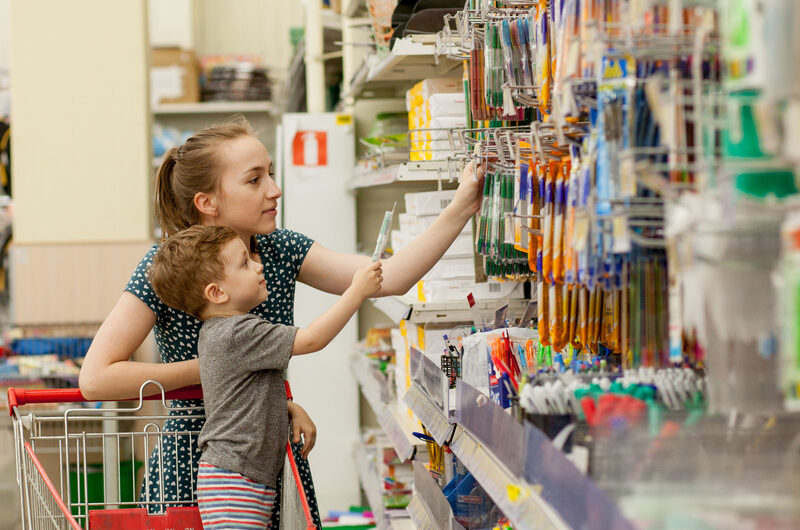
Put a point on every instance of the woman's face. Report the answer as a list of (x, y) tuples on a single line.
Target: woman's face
[(247, 199)]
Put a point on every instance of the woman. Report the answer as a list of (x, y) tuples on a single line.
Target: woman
[(223, 176)]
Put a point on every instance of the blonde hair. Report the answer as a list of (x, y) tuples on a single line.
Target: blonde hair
[(190, 169), (186, 263)]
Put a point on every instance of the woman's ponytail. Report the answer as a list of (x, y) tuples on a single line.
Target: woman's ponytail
[(167, 211)]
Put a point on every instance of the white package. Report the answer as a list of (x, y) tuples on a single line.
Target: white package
[(428, 202), (447, 105), (454, 268), (437, 85)]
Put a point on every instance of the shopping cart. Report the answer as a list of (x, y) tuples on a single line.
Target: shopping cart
[(79, 467)]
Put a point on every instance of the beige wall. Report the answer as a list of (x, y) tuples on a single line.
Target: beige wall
[(249, 26), (81, 145)]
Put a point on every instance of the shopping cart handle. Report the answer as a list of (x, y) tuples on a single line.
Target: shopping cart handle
[(23, 396)]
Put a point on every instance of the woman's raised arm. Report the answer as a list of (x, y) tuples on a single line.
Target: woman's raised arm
[(332, 271), (108, 373)]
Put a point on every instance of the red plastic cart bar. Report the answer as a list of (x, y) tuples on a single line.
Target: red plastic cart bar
[(300, 490), (52, 489), (21, 396)]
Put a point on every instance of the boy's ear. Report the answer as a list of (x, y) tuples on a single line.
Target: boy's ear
[(214, 294), (206, 204)]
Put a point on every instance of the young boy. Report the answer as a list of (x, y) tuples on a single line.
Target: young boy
[(207, 271)]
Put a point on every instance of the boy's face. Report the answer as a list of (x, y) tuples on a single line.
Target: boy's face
[(244, 279)]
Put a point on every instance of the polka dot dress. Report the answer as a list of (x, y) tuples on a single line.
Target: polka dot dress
[(282, 252)]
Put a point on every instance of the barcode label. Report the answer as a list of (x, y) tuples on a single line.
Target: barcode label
[(443, 203), (494, 287)]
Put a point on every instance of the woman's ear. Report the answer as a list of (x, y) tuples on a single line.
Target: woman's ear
[(206, 204), (214, 294)]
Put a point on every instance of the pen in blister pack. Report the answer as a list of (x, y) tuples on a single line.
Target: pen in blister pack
[(383, 234), (485, 211), (494, 238), (508, 55), (583, 316), (508, 213), (520, 201), (591, 320), (543, 57), (549, 210), (558, 221), (543, 306), (487, 61), (533, 208), (572, 334), (525, 63), (541, 168), (570, 262), (497, 65)]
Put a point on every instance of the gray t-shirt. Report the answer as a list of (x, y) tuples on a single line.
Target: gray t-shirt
[(242, 359)]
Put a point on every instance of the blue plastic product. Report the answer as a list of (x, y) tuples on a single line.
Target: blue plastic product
[(62, 346)]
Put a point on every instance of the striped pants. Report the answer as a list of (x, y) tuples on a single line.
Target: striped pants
[(230, 500)]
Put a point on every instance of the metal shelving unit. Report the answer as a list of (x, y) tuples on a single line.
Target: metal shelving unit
[(429, 508), (431, 416), (518, 500), (354, 8), (399, 308), (395, 422), (215, 107), (370, 484), (411, 59), (422, 171)]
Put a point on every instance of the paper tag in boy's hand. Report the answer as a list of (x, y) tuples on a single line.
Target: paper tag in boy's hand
[(383, 235)]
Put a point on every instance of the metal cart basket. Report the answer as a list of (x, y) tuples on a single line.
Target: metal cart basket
[(80, 464)]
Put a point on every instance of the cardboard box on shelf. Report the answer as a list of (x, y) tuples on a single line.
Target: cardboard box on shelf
[(174, 76)]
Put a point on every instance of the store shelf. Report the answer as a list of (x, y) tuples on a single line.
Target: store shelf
[(423, 171), (490, 443), (429, 508), (353, 8), (370, 483), (214, 107), (518, 500), (431, 416), (405, 308), (331, 20), (397, 424), (411, 59)]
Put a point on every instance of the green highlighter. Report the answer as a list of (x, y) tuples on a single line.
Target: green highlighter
[(383, 235)]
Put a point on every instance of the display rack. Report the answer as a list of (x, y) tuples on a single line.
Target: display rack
[(429, 508), (353, 8), (215, 107), (431, 416), (405, 308), (397, 424), (370, 484), (519, 501), (412, 58), (424, 171)]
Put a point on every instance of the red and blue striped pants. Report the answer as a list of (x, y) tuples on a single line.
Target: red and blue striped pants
[(229, 500)]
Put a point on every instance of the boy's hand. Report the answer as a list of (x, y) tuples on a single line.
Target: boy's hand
[(367, 281)]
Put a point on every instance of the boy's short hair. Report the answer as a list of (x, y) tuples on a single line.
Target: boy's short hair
[(186, 263)]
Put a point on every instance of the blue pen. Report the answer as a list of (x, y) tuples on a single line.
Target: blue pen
[(424, 437), (522, 362)]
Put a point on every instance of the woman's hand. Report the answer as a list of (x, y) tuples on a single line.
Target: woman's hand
[(302, 424), (470, 189)]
